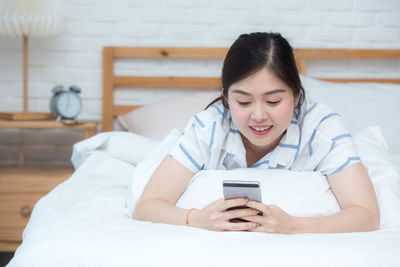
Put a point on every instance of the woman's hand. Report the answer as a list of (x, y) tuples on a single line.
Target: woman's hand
[(215, 216), (274, 220)]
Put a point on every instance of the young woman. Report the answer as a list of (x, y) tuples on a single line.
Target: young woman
[(261, 120)]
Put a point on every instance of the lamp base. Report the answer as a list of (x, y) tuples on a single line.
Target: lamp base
[(26, 116)]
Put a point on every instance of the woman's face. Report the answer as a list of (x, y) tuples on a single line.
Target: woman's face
[(262, 107)]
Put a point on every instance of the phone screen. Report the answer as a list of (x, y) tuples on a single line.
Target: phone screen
[(238, 189)]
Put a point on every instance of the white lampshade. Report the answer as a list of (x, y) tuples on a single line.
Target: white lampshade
[(30, 17)]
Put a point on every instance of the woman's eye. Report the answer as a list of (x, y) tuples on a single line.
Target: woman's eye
[(243, 103), (273, 102)]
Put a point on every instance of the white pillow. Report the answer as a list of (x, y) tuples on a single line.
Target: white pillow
[(361, 105), (298, 193), (156, 120), (373, 152), (129, 147)]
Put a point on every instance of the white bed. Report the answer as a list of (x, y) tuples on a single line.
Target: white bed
[(86, 221)]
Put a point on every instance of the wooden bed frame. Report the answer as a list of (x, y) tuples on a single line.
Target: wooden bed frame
[(111, 81)]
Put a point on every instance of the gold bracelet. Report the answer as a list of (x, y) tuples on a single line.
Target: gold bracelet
[(187, 216)]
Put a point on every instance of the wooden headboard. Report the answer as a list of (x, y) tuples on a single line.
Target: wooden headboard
[(112, 81)]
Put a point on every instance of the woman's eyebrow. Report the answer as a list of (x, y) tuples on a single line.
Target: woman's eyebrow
[(238, 91)]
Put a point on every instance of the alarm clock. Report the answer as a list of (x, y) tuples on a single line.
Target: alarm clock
[(66, 104)]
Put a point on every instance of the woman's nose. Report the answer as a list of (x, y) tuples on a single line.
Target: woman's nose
[(259, 113)]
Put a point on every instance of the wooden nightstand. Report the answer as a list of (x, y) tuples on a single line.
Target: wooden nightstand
[(22, 186), (90, 128)]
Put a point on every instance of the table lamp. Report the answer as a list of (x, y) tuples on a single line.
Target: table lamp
[(26, 18)]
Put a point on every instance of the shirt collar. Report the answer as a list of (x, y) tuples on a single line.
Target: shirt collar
[(289, 146), (287, 149), (236, 147)]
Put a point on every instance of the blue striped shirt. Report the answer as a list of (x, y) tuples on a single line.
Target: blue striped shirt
[(315, 140)]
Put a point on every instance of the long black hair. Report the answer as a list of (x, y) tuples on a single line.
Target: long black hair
[(250, 53)]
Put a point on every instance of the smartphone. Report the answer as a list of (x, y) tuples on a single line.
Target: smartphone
[(238, 189)]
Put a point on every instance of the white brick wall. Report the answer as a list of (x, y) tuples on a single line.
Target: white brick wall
[(74, 57)]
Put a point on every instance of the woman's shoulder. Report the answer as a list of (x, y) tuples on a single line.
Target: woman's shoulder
[(315, 109), (210, 126), (318, 116), (213, 115)]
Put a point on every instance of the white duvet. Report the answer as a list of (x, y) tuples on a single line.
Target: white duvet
[(84, 222)]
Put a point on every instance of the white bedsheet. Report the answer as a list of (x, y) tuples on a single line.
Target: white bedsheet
[(84, 222)]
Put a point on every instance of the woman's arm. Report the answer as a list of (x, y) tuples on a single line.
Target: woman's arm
[(355, 194), (169, 181), (167, 184)]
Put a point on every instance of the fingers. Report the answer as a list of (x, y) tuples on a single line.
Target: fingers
[(240, 213), (235, 202), (234, 208), (257, 205), (260, 208), (253, 218), (248, 211), (242, 226)]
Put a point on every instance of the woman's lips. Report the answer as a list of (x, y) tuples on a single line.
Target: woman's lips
[(261, 130)]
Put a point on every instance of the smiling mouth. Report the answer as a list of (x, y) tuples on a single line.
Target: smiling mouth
[(261, 130)]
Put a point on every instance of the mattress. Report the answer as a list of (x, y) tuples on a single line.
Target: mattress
[(85, 222)]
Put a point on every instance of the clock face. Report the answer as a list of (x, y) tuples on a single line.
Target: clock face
[(69, 105)]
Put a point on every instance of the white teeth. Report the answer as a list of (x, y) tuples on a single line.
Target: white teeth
[(260, 129)]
